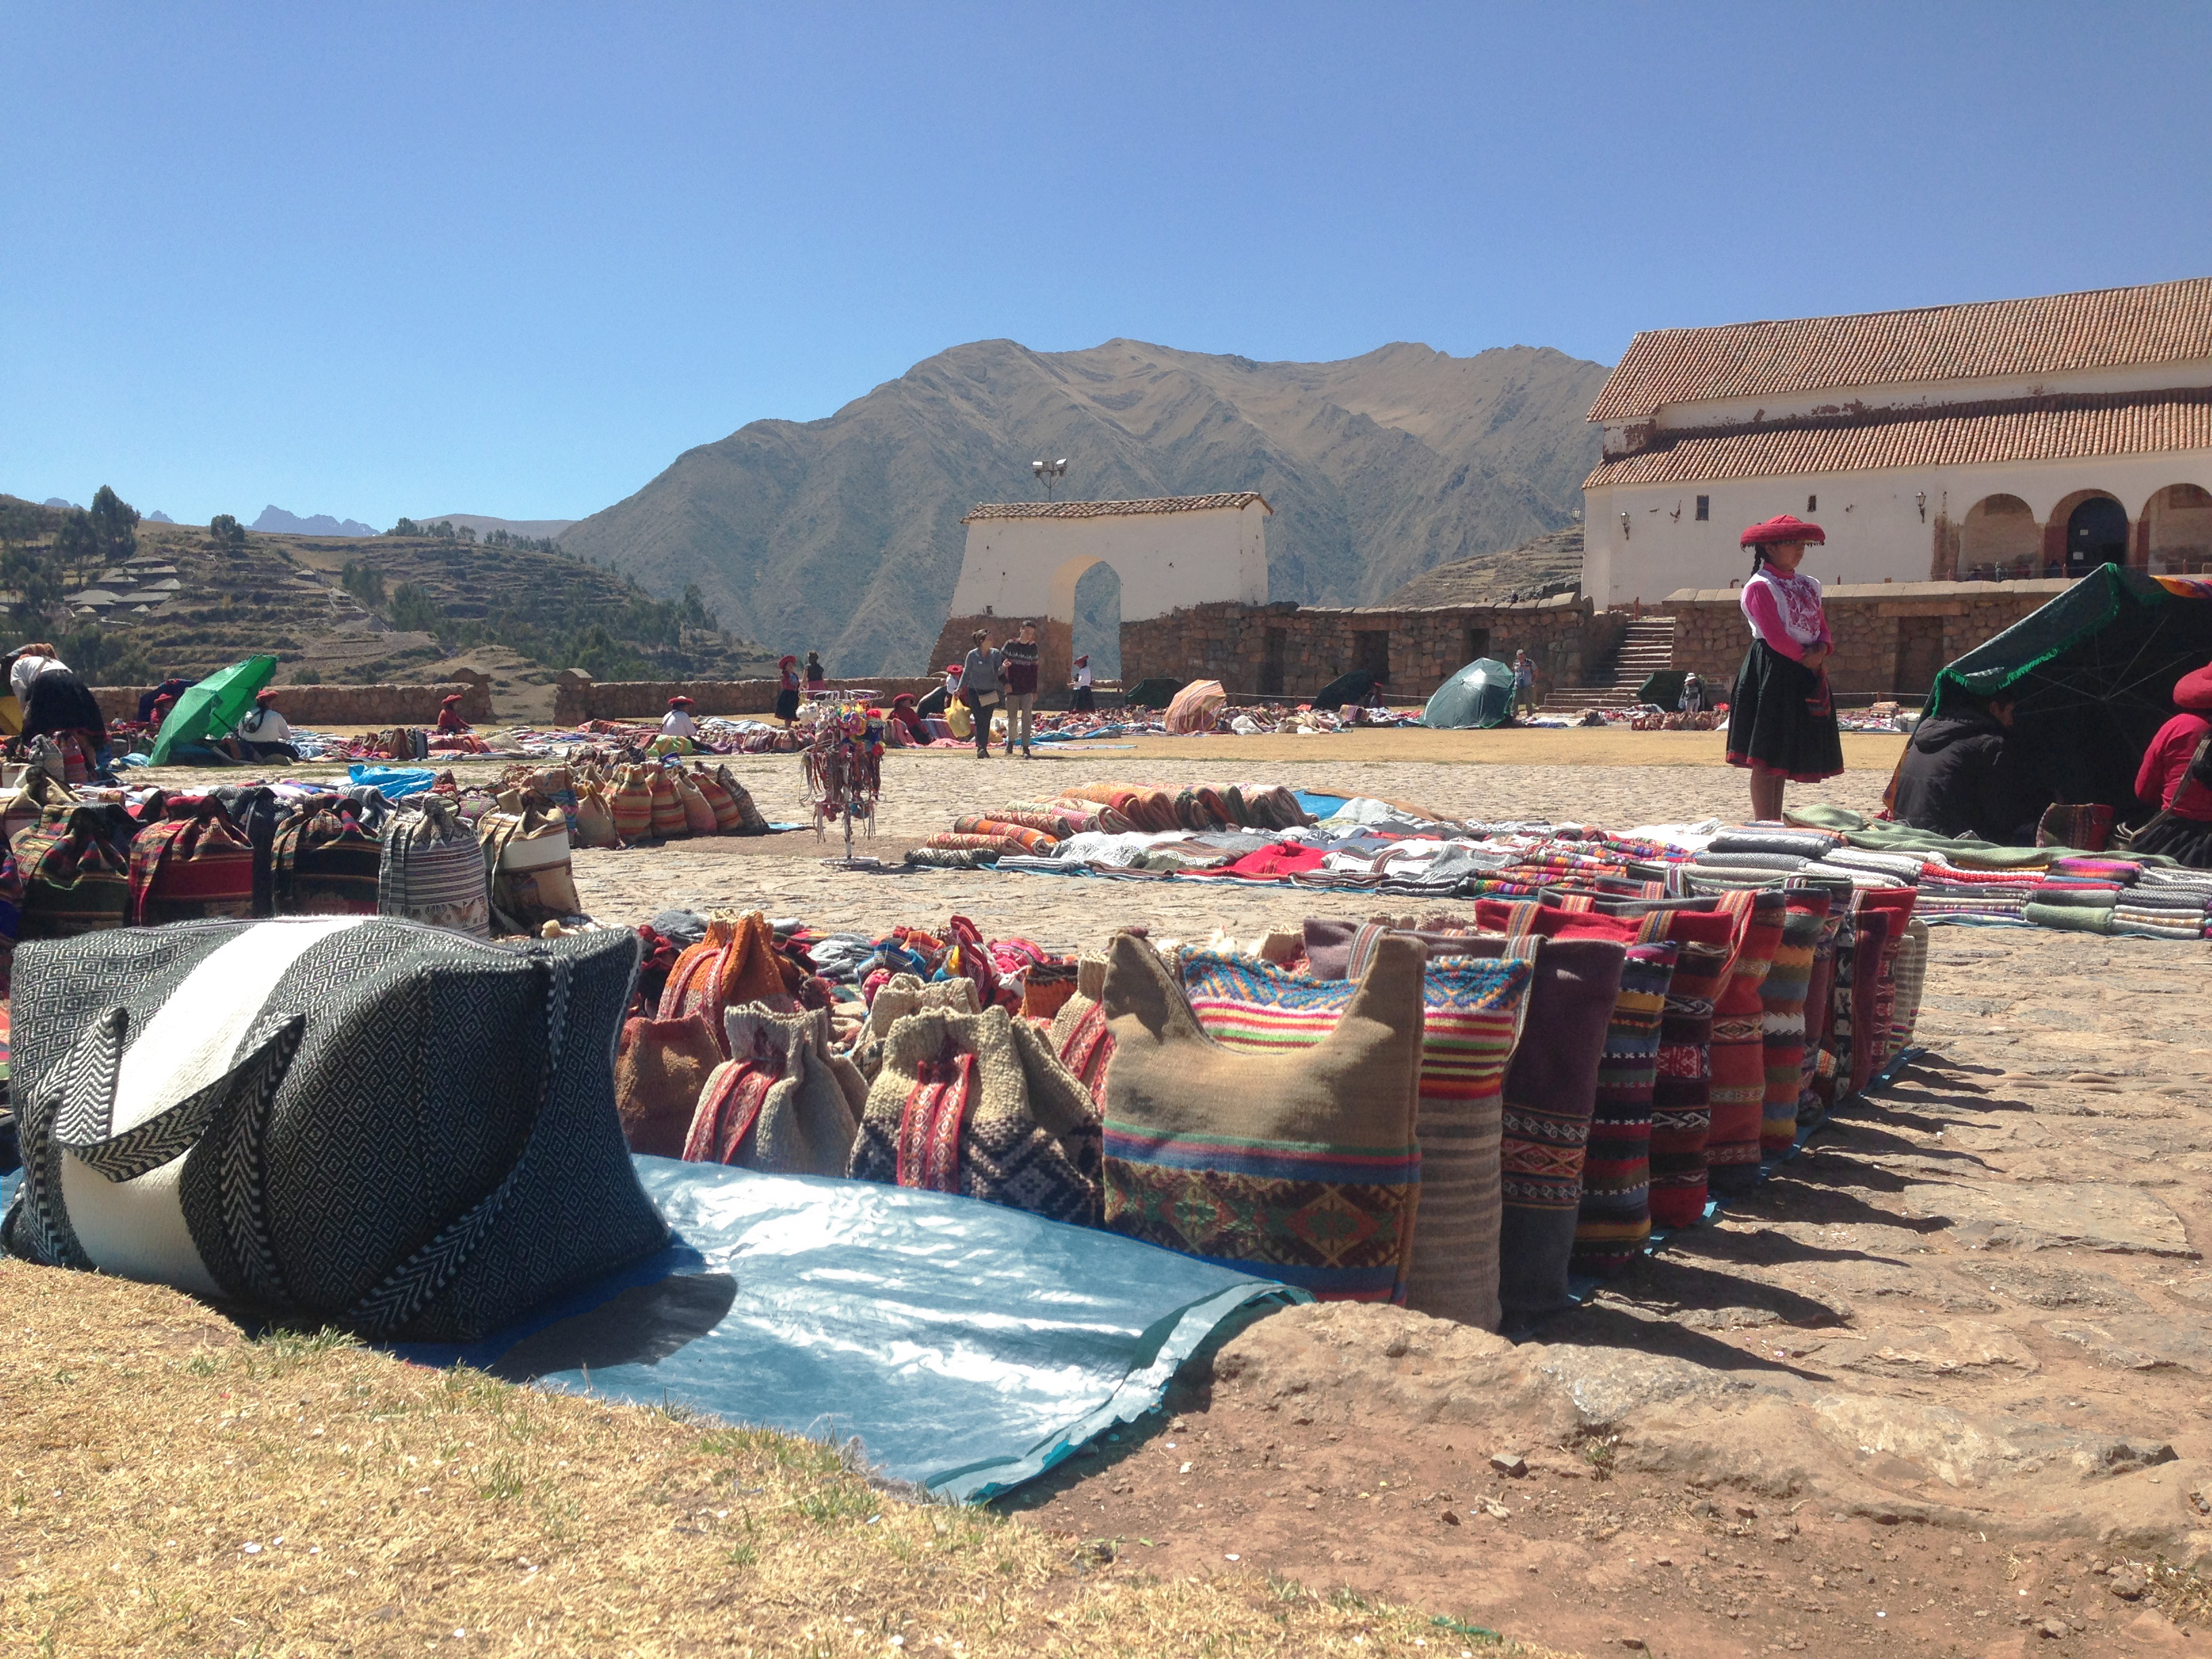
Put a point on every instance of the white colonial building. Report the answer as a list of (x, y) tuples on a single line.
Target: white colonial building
[(2016, 438)]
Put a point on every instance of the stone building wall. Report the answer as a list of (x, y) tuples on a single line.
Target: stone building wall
[(578, 697), (1891, 637), (340, 705), (1292, 651)]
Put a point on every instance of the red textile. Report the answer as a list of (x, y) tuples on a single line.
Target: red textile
[(1285, 859), (1781, 528), (2166, 764), (1764, 610)]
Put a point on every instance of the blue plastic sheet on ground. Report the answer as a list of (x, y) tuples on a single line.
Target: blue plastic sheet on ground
[(394, 781), (969, 1347), (1319, 805)]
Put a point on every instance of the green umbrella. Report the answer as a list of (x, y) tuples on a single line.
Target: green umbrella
[(217, 704)]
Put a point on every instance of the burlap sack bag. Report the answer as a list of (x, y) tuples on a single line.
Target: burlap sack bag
[(661, 1067), (897, 997)]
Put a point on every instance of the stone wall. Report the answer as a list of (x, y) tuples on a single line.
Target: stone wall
[(341, 705), (1891, 637), (1292, 651), (578, 697)]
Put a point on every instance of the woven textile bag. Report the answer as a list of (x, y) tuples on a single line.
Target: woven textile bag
[(1909, 979), (526, 857), (1783, 996), (662, 1065), (217, 1106), (257, 810), (1080, 1034), (1472, 1011), (325, 860), (34, 794), (903, 994), (669, 822), (1302, 1166), (729, 819), (74, 873), (1739, 1064), (595, 820), (783, 1102), (751, 821), (699, 817), (11, 919), (977, 1104), (736, 964), (433, 871), (1820, 1013), (631, 803), (192, 867)]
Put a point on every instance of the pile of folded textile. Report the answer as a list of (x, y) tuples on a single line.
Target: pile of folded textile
[(2166, 903), (1116, 811), (1949, 893), (2079, 894)]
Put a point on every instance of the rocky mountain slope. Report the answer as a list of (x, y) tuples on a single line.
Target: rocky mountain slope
[(844, 534), (1525, 572)]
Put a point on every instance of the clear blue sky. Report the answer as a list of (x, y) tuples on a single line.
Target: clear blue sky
[(370, 260)]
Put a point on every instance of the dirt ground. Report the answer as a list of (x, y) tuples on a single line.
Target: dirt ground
[(1939, 1388)]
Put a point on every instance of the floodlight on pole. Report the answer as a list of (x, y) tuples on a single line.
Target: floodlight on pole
[(1048, 471)]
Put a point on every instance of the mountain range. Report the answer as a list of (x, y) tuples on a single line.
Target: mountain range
[(278, 522), (529, 528), (844, 534)]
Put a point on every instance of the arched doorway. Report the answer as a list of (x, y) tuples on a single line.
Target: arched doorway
[(2000, 537), (2179, 520), (1097, 625), (2096, 533)]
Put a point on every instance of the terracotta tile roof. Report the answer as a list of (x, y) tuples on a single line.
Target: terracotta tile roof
[(2160, 322), (1956, 435), (1113, 509)]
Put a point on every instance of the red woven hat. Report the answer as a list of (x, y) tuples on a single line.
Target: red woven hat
[(679, 703), (2194, 692), (1782, 528), (455, 697)]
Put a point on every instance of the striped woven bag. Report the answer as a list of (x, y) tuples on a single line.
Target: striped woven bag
[(192, 867), (75, 875)]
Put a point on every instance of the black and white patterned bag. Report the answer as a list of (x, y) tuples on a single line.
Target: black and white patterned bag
[(344, 1120)]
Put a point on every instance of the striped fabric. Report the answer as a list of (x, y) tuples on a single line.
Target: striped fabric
[(1614, 1221), (1782, 998), (1872, 1049), (1681, 1105), (1909, 978), (75, 878), (1739, 1064), (1473, 1011), (1819, 1011), (193, 867)]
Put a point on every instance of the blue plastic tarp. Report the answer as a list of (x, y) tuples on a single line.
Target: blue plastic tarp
[(970, 1347), (394, 781)]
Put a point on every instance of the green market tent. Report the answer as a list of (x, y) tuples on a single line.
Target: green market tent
[(1155, 693), (215, 705), (1664, 689), (2093, 671), (1480, 694)]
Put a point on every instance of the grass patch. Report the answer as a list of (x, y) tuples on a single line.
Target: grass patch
[(184, 1491)]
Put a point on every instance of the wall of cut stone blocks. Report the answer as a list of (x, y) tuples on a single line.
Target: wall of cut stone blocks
[(577, 697), (341, 705), (1294, 651)]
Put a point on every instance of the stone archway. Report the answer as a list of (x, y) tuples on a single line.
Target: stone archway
[(2178, 531), (2096, 534), (2000, 536), (1057, 635)]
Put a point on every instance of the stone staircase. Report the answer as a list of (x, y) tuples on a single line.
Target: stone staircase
[(1648, 646)]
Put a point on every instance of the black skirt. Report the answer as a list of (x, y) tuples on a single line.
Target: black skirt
[(1782, 718), (1080, 702), (61, 702), (787, 703), (2186, 841)]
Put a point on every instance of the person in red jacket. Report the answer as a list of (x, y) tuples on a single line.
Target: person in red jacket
[(449, 715), (2169, 779)]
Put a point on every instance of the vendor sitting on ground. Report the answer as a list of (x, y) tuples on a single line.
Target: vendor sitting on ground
[(1965, 773), (449, 715), (170, 689), (2176, 777), (677, 721), (264, 734), (906, 715)]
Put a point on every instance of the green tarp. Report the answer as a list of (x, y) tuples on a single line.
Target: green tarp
[(2094, 671), (1480, 694)]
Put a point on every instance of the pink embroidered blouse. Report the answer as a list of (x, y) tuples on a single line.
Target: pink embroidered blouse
[(1785, 611)]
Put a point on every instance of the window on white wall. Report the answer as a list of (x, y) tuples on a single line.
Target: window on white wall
[(1704, 507), (1811, 503)]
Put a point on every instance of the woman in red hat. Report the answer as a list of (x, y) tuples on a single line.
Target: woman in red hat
[(2177, 779), (786, 694), (1782, 722), (449, 715), (677, 721)]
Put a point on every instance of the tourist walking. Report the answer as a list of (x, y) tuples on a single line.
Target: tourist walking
[(981, 687), (1693, 700), (786, 694), (1081, 700), (1524, 683), (1021, 672), (1781, 720)]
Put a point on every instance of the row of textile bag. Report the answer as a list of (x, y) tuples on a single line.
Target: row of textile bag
[(1459, 1115), (612, 802), (1960, 881), (1036, 828)]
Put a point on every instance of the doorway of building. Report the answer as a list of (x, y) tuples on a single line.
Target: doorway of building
[(1097, 630), (1919, 654), (2096, 534), (1271, 665), (1477, 645), (1371, 651)]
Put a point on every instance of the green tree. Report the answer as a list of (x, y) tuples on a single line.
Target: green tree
[(226, 533), (77, 545), (405, 527), (115, 521), (363, 583), (413, 610), (105, 656)]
